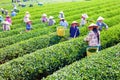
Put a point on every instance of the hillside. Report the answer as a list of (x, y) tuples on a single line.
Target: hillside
[(40, 53)]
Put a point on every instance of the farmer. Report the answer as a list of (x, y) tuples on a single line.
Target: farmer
[(61, 15), (1, 19), (6, 12), (15, 8), (44, 18), (26, 17), (3, 11), (6, 26), (93, 38), (63, 23), (13, 13), (51, 21), (101, 24), (74, 31), (8, 19), (83, 19), (28, 25)]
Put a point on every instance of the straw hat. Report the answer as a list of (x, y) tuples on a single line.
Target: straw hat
[(75, 22), (7, 16), (5, 22), (93, 26), (44, 15), (62, 18), (100, 18), (85, 15), (51, 17), (29, 21), (27, 12), (2, 9), (61, 12)]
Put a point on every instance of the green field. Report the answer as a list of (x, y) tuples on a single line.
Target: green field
[(41, 54)]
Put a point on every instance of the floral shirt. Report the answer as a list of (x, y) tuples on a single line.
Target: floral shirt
[(92, 39)]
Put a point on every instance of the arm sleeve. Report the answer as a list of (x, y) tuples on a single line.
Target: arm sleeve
[(106, 26), (88, 38), (70, 30)]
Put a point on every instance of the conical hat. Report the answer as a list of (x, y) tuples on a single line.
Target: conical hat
[(51, 17), (7, 16), (61, 18), (100, 18), (27, 12), (44, 15), (85, 15), (29, 21), (5, 22), (93, 25), (61, 12), (75, 22)]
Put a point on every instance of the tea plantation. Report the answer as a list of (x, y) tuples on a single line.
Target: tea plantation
[(42, 55)]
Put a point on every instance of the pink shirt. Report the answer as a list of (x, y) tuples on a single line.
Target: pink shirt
[(8, 20), (92, 39)]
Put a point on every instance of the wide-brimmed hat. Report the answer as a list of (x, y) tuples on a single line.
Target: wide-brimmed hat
[(51, 17), (85, 15), (29, 21), (5, 22), (7, 16), (61, 12), (2, 9), (44, 15), (62, 18), (75, 22), (100, 18), (93, 26), (27, 12)]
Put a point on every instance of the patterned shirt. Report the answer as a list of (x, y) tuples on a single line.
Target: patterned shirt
[(92, 39)]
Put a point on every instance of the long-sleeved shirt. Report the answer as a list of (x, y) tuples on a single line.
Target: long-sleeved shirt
[(93, 39), (51, 22), (28, 26), (64, 24), (1, 19), (44, 19), (13, 14), (6, 27), (83, 22), (74, 32), (101, 25), (8, 20), (61, 15)]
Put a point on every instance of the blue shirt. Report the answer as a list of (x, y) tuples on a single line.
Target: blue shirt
[(1, 19), (74, 32), (101, 25), (65, 24), (13, 14), (28, 26)]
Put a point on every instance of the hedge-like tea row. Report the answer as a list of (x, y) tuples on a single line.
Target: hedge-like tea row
[(16, 38), (29, 46), (17, 31), (105, 65), (48, 60)]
